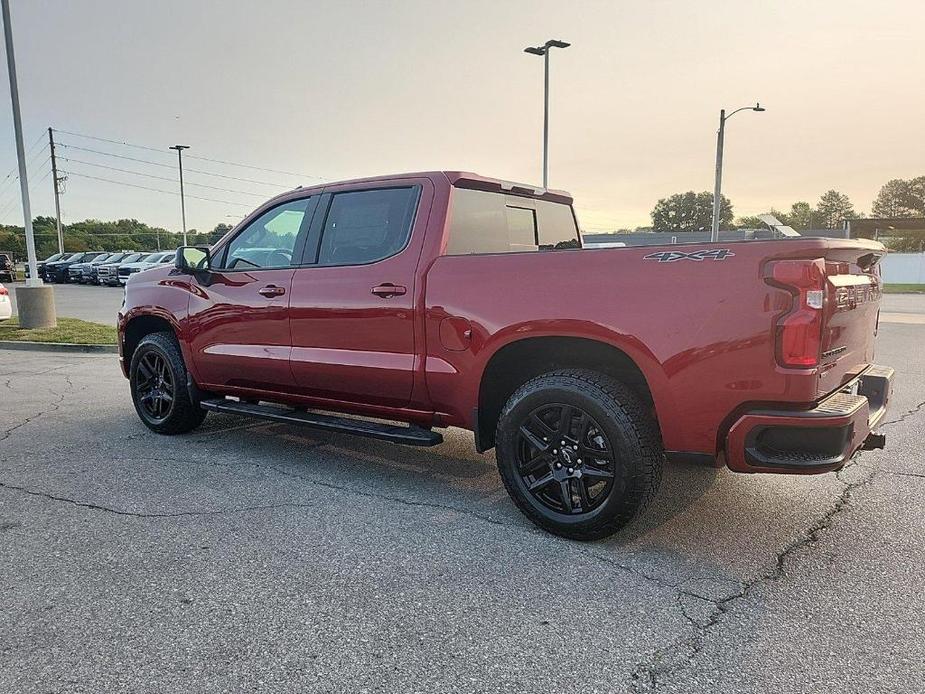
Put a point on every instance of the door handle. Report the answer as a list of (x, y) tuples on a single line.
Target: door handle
[(271, 290), (388, 289)]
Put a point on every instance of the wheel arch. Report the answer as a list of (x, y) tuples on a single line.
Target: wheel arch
[(137, 325), (517, 361)]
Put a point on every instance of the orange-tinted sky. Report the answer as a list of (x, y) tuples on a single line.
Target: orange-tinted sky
[(346, 89)]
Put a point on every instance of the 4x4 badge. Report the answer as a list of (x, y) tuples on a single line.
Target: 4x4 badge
[(705, 254)]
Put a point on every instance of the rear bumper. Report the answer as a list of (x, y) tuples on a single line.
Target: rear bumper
[(821, 439)]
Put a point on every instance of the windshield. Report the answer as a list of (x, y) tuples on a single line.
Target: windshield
[(53, 258), (102, 258), (132, 258), (73, 256), (152, 258)]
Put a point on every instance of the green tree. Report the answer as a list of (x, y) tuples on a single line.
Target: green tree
[(749, 222), (219, 231), (690, 211), (900, 198), (833, 207), (802, 216)]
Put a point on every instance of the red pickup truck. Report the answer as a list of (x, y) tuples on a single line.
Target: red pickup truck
[(442, 299)]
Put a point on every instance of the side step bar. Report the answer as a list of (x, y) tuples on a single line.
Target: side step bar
[(411, 435)]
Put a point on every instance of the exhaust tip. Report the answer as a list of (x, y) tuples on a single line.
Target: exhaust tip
[(873, 442)]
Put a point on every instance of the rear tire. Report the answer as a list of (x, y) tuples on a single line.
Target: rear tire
[(157, 378), (609, 468)]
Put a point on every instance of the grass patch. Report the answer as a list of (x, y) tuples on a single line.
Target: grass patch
[(71, 330), (904, 288)]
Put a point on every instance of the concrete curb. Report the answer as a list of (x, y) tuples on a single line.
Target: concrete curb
[(59, 347)]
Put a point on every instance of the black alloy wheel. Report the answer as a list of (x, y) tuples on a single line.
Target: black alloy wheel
[(579, 452), (155, 386), (159, 383), (564, 458)]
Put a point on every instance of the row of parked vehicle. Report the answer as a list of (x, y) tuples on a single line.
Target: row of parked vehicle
[(99, 267)]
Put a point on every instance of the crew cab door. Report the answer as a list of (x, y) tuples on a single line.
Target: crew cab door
[(352, 311), (239, 312)]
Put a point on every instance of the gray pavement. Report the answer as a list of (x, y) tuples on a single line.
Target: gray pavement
[(250, 556)]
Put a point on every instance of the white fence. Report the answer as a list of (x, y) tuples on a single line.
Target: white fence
[(903, 268)]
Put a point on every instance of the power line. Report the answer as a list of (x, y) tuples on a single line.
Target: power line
[(155, 190), (172, 166), (12, 203), (31, 185), (160, 178), (190, 156), (10, 176)]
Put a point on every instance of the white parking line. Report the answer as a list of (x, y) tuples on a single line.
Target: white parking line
[(908, 318)]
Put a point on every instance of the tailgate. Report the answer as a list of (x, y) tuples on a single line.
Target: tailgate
[(851, 312)]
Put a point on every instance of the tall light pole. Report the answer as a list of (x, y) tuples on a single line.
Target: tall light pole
[(180, 149), (35, 302), (717, 186), (544, 51)]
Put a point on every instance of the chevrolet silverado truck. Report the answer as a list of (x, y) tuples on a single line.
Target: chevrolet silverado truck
[(395, 306)]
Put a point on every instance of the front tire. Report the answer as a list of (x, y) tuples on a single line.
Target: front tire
[(579, 453), (157, 378)]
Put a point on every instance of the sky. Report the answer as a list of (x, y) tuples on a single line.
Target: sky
[(343, 89)]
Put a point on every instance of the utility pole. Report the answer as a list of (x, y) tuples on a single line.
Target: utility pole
[(55, 181), (180, 149), (544, 51), (36, 302)]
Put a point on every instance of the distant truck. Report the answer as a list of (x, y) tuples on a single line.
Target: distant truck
[(450, 299)]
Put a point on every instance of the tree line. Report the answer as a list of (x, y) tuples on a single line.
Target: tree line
[(690, 211), (97, 235)]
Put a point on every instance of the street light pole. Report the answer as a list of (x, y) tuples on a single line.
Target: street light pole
[(35, 301), (180, 149), (34, 279), (718, 183), (544, 51)]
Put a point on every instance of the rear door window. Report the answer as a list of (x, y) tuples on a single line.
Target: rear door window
[(366, 226)]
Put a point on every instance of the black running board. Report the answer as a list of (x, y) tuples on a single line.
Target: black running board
[(409, 435)]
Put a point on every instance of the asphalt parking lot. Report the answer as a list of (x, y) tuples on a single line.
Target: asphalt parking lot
[(250, 556)]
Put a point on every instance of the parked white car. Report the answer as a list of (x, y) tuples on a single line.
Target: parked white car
[(6, 306), (146, 263)]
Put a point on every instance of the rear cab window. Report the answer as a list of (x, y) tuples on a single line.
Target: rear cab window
[(489, 222)]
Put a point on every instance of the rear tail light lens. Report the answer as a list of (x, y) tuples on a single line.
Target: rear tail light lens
[(799, 331), (4, 291)]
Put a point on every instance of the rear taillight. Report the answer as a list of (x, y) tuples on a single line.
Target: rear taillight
[(4, 291), (799, 331)]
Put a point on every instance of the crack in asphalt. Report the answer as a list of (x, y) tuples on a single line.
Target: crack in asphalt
[(905, 415), (142, 514), (52, 407), (680, 654), (894, 473)]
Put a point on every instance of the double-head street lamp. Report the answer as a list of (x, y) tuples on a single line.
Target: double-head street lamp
[(180, 149), (544, 51), (717, 187)]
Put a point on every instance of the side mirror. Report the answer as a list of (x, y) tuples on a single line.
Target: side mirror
[(192, 259)]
